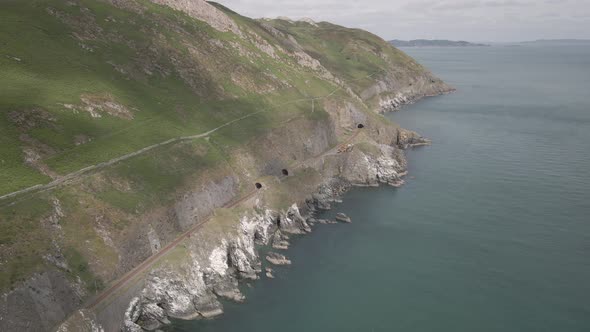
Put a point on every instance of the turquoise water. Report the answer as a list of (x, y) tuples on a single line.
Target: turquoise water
[(491, 231)]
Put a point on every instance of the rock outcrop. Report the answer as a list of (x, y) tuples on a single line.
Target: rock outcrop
[(203, 11), (343, 218), (214, 267), (203, 104)]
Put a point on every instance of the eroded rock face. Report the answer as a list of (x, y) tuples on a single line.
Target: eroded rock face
[(212, 270), (343, 218), (205, 12), (277, 259), (201, 203), (191, 283), (37, 294), (292, 222), (367, 169), (192, 290), (407, 138), (216, 266), (398, 89)]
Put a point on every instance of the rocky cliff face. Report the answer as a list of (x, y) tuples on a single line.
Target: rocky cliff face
[(271, 96), (226, 251), (214, 268)]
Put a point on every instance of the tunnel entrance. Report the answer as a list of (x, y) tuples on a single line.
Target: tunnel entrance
[(360, 126), (285, 172), (258, 185), (279, 222)]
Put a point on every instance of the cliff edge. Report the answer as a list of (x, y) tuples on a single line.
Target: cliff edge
[(148, 146)]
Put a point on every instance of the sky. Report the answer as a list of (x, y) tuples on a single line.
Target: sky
[(471, 20)]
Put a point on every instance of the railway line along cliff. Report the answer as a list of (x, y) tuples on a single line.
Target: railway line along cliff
[(160, 153)]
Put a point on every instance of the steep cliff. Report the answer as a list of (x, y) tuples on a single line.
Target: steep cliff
[(149, 145)]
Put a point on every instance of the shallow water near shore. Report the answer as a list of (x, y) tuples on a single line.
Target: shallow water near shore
[(491, 231)]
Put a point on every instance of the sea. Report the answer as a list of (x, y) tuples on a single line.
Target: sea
[(491, 231)]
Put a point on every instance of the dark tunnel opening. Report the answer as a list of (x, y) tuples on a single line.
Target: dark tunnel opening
[(258, 185), (285, 172), (360, 126)]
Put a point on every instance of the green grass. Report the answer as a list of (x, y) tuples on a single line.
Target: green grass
[(23, 241), (79, 268), (160, 65), (368, 148), (294, 188), (55, 70), (351, 54)]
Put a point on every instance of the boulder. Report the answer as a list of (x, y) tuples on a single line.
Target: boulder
[(277, 259), (343, 218)]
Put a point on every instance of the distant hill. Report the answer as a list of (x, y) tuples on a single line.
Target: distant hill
[(434, 42), (558, 41)]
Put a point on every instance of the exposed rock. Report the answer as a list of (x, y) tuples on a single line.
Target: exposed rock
[(280, 241), (82, 320), (81, 139), (408, 138), (201, 202), (38, 295), (131, 315), (292, 221), (32, 118), (370, 169), (394, 90), (153, 239), (277, 259), (95, 105), (207, 266), (309, 21), (205, 12), (343, 218)]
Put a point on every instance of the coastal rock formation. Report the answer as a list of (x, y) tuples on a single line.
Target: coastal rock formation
[(147, 187), (277, 259), (343, 218), (216, 266)]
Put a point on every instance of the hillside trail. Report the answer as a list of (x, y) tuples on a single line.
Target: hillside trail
[(86, 170), (129, 277), (142, 267)]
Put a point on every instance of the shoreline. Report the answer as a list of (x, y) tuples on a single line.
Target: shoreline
[(278, 228)]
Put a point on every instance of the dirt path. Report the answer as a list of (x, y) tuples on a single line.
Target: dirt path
[(143, 266), (78, 174), (152, 259)]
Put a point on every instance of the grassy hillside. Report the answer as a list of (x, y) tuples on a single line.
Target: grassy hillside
[(149, 77), (86, 81), (351, 54)]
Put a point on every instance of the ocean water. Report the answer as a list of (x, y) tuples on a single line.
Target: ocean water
[(491, 231)]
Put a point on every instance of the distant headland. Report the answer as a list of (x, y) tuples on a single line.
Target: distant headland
[(433, 42)]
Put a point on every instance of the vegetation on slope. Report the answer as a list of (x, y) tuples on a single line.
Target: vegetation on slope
[(354, 55), (87, 81)]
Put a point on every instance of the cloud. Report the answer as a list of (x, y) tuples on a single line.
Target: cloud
[(506, 3), (475, 20)]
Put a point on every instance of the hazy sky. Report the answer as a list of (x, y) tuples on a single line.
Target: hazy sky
[(473, 20)]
